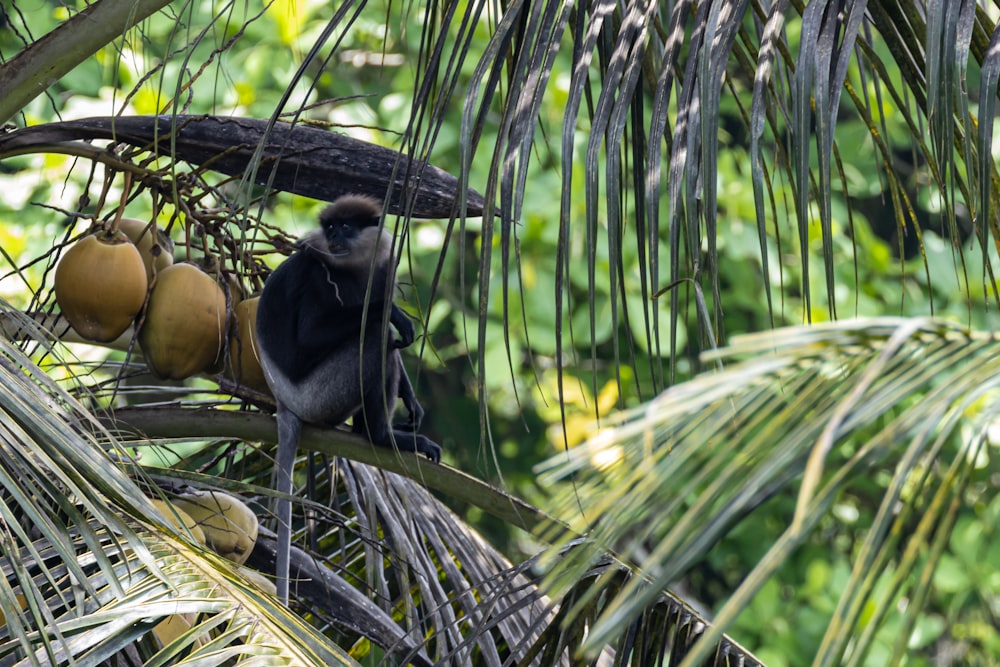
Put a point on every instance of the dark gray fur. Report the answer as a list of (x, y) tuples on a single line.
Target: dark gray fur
[(321, 365)]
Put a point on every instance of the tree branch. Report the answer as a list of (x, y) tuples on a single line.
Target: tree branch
[(47, 60), (179, 422)]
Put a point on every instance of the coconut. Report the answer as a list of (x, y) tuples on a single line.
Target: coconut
[(211, 265), (156, 256), (230, 526), (101, 285), (244, 357), (185, 325)]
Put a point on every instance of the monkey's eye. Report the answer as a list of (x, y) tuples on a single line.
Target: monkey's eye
[(342, 231)]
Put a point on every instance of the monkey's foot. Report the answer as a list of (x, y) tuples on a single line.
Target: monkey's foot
[(414, 442)]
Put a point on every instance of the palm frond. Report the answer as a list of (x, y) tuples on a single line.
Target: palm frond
[(663, 632), (817, 409), (91, 566), (644, 103), (361, 526)]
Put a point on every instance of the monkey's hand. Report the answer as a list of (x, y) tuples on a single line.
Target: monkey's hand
[(403, 326)]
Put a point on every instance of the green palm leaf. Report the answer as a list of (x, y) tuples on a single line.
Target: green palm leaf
[(811, 409), (91, 566)]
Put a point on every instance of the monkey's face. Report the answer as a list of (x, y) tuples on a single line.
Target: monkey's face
[(346, 246), (343, 237), (349, 235), (346, 221)]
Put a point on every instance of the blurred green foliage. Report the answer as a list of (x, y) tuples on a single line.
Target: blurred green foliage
[(214, 57)]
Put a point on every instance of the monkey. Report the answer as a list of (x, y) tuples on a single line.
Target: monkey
[(324, 351)]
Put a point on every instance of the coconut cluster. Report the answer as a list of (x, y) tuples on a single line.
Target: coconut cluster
[(110, 280)]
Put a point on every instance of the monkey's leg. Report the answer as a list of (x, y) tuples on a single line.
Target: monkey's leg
[(289, 432), (403, 325), (410, 402), (373, 420)]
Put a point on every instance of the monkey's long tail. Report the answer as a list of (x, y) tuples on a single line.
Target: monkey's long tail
[(289, 431)]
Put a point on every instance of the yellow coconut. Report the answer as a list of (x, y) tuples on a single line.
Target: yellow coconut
[(100, 286), (257, 579), (22, 602), (185, 325), (211, 265), (174, 627), (244, 357), (180, 518), (230, 526), (155, 256)]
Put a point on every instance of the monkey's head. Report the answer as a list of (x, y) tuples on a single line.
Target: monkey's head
[(349, 235)]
